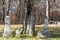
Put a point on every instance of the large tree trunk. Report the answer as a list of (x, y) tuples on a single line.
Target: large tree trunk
[(30, 22), (32, 25)]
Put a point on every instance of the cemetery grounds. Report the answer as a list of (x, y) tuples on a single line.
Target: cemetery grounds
[(53, 29)]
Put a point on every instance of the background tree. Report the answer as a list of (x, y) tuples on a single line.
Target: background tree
[(3, 9)]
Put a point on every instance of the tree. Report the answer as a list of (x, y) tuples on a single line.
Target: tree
[(29, 24), (31, 15), (3, 9)]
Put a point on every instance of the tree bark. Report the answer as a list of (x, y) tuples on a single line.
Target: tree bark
[(32, 25), (3, 10), (25, 23), (30, 22)]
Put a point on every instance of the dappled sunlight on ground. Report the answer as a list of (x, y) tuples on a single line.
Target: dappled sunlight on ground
[(29, 39), (54, 31)]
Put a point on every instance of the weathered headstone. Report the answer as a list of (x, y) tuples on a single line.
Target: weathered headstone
[(46, 32), (7, 31), (46, 24)]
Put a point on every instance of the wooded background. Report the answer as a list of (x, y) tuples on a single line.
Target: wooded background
[(17, 10)]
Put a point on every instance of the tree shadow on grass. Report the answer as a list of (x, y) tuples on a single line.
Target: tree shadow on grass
[(55, 33), (1, 34)]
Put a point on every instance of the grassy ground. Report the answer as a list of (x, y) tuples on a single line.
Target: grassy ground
[(28, 39), (19, 26), (53, 29)]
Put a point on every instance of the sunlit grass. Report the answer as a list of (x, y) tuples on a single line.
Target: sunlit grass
[(54, 30), (29, 38)]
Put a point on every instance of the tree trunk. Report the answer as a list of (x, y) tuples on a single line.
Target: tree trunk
[(29, 25), (8, 6), (32, 25), (25, 19), (25, 23), (3, 10), (30, 22)]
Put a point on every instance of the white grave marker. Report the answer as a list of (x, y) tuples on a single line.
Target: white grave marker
[(7, 27)]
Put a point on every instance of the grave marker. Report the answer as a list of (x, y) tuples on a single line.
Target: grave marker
[(7, 31)]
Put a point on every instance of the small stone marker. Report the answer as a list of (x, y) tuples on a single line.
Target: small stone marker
[(17, 32), (40, 34), (7, 31)]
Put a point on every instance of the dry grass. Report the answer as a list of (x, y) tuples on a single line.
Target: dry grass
[(19, 26), (54, 27), (12, 26), (28, 39)]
